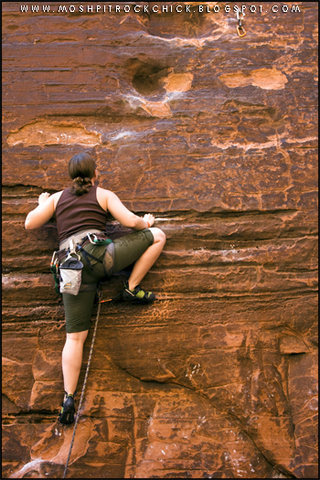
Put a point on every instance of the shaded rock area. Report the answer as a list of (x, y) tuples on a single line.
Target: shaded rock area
[(216, 135)]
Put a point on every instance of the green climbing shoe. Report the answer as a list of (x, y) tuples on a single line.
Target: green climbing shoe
[(66, 415), (137, 295)]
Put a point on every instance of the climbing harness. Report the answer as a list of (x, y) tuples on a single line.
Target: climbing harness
[(240, 28), (94, 240), (66, 265), (84, 381)]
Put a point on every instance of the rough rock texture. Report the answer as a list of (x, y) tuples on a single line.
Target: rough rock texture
[(217, 136)]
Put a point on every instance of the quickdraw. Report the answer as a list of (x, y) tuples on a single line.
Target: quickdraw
[(240, 28), (54, 269)]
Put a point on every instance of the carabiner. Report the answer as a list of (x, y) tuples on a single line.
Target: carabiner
[(95, 238), (72, 250), (54, 261), (241, 31), (240, 28), (72, 255)]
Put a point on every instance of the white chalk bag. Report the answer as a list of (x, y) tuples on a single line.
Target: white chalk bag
[(70, 275)]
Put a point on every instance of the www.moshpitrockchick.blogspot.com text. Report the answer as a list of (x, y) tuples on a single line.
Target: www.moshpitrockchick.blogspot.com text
[(113, 8)]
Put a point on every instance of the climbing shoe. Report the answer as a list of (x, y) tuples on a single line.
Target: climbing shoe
[(137, 295), (66, 416)]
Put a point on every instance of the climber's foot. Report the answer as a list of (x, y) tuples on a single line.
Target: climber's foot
[(66, 416), (137, 295)]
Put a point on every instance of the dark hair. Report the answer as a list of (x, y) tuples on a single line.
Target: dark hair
[(81, 169)]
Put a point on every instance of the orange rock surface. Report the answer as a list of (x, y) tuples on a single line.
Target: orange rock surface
[(216, 135)]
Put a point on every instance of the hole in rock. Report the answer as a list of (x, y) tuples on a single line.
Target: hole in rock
[(147, 77)]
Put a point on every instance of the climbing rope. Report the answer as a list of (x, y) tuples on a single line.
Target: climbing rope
[(84, 381)]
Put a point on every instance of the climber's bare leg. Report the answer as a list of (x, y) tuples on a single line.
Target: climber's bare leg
[(147, 259), (72, 359)]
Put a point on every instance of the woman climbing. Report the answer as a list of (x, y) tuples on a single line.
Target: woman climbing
[(80, 213)]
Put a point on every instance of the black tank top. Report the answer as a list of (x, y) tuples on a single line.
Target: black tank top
[(75, 213)]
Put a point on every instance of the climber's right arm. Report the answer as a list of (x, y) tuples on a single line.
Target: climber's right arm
[(43, 212), (111, 202)]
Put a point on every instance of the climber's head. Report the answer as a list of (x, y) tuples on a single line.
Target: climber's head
[(82, 169)]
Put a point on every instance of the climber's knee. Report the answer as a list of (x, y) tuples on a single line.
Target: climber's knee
[(158, 235), (79, 337)]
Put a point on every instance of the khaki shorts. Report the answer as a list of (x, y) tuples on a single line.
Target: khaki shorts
[(123, 252)]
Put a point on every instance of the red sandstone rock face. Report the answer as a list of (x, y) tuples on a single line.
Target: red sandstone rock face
[(217, 136)]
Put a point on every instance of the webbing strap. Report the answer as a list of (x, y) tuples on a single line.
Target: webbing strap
[(84, 384), (86, 255)]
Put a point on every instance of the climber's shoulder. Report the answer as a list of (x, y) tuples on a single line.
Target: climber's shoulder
[(56, 197)]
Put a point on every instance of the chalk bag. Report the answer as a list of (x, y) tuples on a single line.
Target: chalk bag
[(70, 275)]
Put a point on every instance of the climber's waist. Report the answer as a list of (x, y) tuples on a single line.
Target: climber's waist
[(86, 242), (80, 237)]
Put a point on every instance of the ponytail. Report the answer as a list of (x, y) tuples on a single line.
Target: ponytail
[(81, 185)]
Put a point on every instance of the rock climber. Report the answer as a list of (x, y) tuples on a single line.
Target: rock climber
[(79, 210)]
